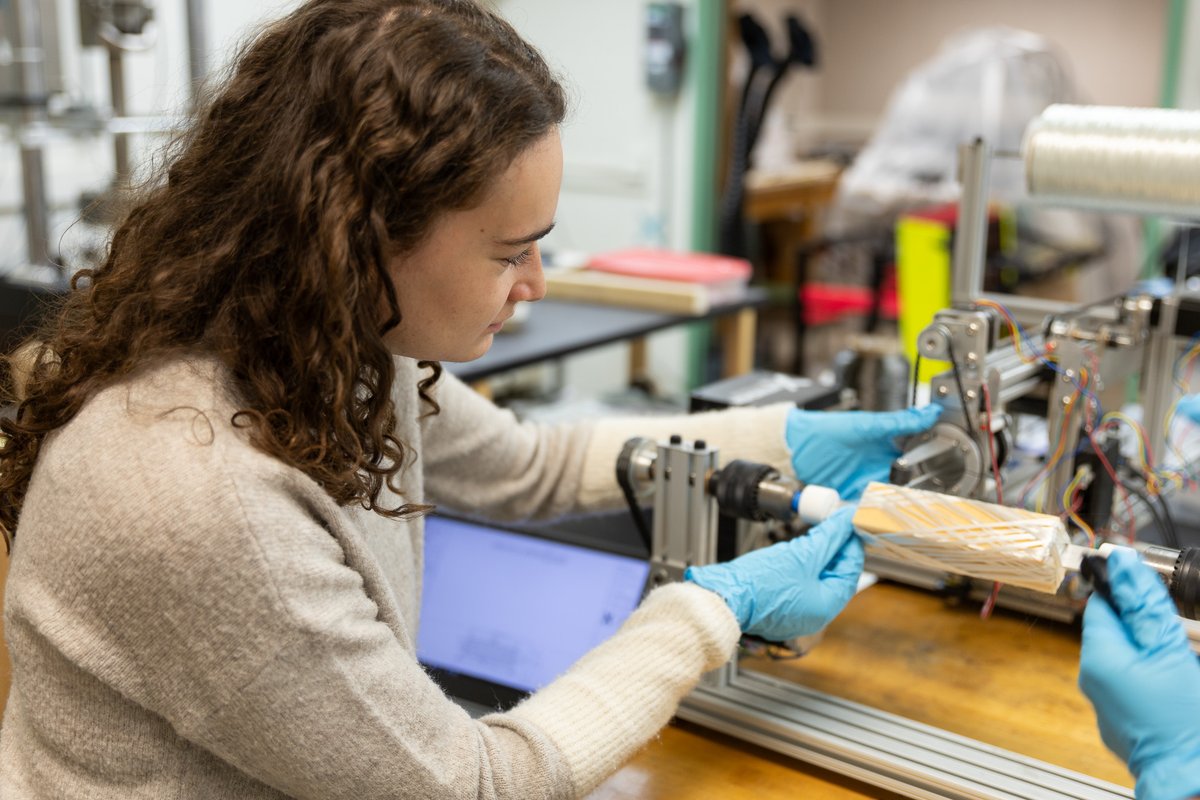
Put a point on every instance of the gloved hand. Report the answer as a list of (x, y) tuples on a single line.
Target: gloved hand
[(1189, 408), (1138, 671), (792, 588), (846, 450)]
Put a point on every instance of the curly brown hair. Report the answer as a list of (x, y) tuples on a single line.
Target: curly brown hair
[(341, 133)]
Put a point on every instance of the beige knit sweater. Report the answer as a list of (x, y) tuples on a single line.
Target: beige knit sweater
[(190, 618)]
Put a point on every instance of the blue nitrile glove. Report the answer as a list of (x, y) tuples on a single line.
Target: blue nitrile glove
[(846, 450), (1189, 408), (792, 588), (1138, 671)]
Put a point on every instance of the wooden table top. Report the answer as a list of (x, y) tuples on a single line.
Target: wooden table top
[(688, 762), (1009, 681)]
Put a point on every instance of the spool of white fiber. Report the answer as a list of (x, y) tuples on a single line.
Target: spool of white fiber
[(1142, 160), (1122, 120)]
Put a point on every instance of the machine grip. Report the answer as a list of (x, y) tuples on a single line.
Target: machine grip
[(1185, 583)]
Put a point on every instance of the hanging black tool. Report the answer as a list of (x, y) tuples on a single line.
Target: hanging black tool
[(762, 78), (802, 52)]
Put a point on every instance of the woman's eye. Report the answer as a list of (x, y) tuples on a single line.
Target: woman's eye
[(519, 258)]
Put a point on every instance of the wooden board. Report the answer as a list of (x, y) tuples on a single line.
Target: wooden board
[(688, 762), (671, 297)]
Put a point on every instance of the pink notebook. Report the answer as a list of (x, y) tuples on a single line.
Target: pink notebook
[(672, 265)]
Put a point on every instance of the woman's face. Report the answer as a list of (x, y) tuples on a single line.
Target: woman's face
[(458, 286)]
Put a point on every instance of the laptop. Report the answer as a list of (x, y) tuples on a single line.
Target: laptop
[(504, 611)]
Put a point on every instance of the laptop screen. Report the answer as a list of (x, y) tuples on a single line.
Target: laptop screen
[(516, 610)]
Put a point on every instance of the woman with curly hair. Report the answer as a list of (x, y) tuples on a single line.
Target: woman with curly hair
[(214, 482)]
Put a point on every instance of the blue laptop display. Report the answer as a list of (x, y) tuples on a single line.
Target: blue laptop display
[(503, 613)]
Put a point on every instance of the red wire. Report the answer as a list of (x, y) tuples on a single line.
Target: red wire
[(1112, 473), (990, 603), (1089, 425)]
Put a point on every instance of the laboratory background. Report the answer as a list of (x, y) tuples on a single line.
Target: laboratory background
[(986, 206)]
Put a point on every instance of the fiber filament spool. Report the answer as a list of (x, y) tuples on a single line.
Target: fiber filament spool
[(1139, 160), (966, 537)]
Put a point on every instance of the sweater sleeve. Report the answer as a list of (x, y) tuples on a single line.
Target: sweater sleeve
[(754, 434), (342, 710), (226, 597), (479, 458), (609, 704)]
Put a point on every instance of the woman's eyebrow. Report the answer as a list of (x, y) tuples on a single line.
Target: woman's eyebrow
[(533, 237)]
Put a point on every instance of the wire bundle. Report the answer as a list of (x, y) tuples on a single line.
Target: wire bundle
[(966, 537), (1156, 476), (1143, 160)]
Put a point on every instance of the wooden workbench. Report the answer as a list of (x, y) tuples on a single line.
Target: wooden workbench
[(690, 763), (1008, 681)]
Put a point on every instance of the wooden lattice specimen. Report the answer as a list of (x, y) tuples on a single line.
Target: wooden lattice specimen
[(967, 537)]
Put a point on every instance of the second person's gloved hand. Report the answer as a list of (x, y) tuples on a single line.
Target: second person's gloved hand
[(1139, 672), (792, 588), (1189, 408), (846, 450)]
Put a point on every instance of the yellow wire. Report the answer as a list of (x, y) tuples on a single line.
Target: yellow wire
[(1013, 329), (1058, 452), (1066, 504)]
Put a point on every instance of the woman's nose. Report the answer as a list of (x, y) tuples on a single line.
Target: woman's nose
[(531, 285)]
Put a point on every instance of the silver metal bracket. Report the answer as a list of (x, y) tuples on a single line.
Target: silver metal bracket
[(876, 747), (685, 514)]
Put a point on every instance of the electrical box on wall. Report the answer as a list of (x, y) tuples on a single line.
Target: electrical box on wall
[(664, 47)]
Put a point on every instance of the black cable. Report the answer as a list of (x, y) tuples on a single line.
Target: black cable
[(1169, 530), (1174, 541), (625, 481), (639, 517), (916, 378), (1169, 537), (962, 393)]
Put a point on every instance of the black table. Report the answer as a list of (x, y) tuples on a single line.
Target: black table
[(557, 328)]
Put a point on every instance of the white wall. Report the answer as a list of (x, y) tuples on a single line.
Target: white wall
[(627, 155), (627, 152)]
